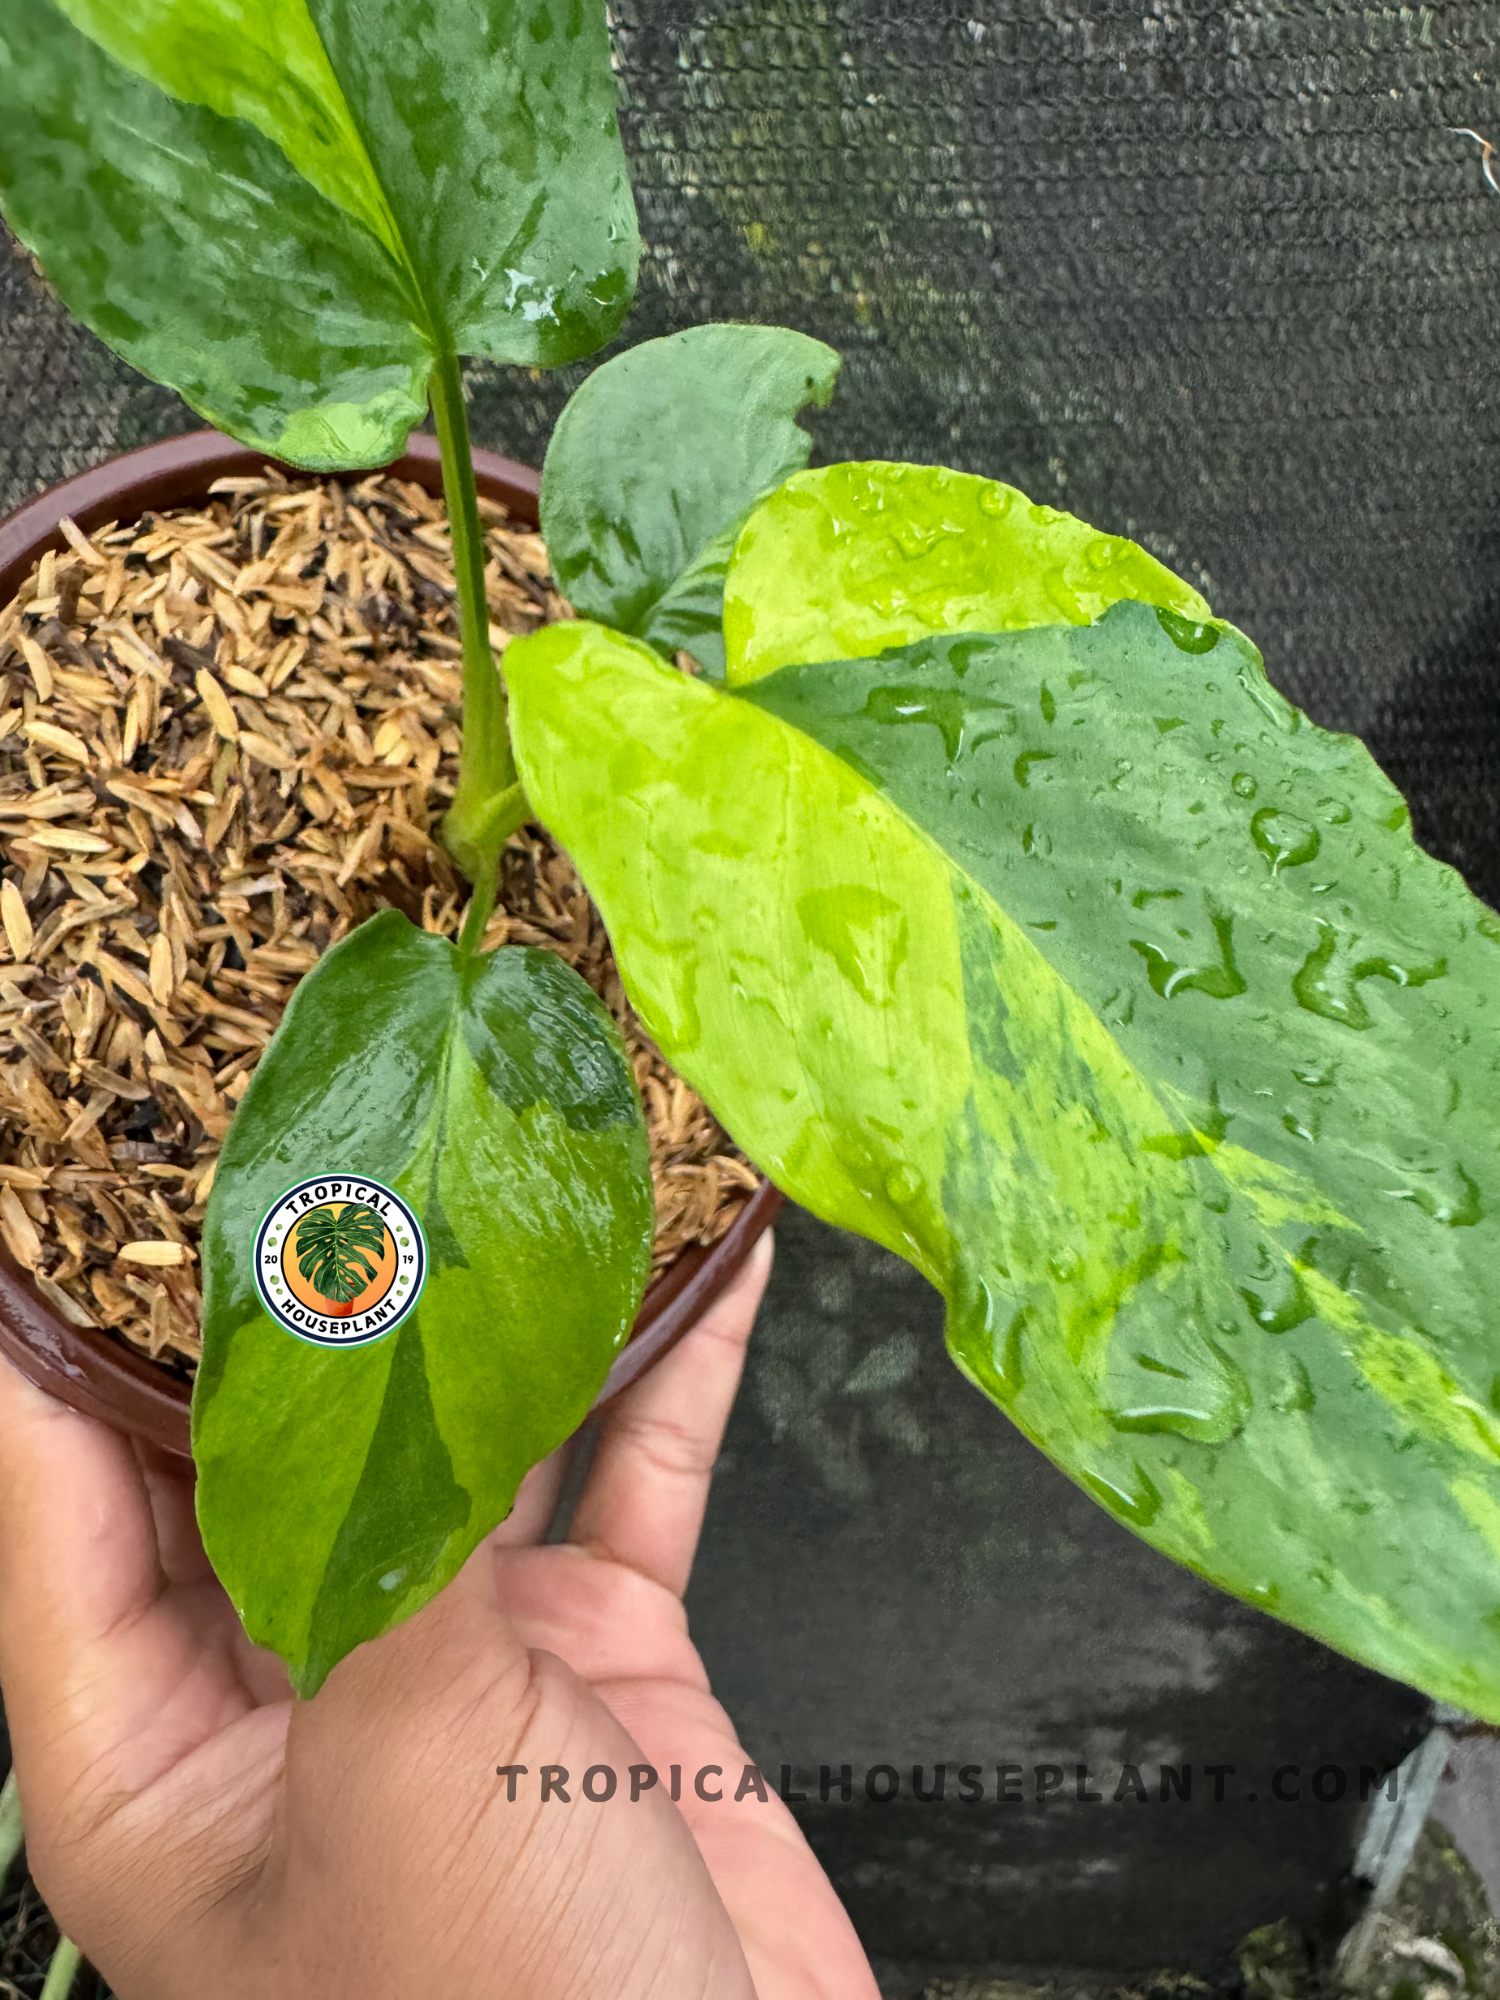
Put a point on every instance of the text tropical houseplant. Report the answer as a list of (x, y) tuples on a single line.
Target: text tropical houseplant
[(981, 884)]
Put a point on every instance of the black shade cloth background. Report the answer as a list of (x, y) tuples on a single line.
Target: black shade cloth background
[(1215, 276)]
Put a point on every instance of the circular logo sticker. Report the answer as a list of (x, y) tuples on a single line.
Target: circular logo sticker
[(340, 1260)]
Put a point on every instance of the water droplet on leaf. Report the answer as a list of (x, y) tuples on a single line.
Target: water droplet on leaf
[(945, 710), (1279, 1311), (1173, 1380), (1063, 595), (915, 538), (1328, 985), (1186, 635), (1023, 764), (864, 932), (1219, 982), (1452, 1199), (1138, 1503), (1296, 1393), (1285, 840)]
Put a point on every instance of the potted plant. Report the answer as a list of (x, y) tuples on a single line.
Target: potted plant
[(1000, 909), (378, 839), (292, 258)]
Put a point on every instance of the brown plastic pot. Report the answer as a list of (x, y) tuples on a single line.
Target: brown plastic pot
[(84, 1366)]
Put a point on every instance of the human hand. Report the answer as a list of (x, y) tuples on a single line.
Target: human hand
[(196, 1831)]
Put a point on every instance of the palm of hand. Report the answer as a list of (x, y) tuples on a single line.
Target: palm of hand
[(195, 1829)]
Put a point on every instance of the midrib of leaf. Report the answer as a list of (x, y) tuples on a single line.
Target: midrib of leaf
[(711, 559), (436, 1130), (1275, 1195), (428, 316), (428, 1143), (308, 64), (684, 536)]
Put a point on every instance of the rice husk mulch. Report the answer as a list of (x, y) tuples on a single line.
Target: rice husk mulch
[(228, 736)]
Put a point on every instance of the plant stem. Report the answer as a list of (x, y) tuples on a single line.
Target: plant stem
[(481, 903), (12, 1833), (62, 1971), (473, 831)]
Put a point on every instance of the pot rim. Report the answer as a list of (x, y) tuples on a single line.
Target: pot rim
[(85, 1366)]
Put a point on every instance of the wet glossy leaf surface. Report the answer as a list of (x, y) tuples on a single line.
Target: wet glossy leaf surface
[(1078, 968), (849, 560), (284, 210), (656, 462), (339, 1489)]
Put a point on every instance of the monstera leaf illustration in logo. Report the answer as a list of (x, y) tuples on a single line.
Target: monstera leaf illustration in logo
[(332, 1246)]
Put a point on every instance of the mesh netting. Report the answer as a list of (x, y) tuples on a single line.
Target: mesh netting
[(1215, 276)]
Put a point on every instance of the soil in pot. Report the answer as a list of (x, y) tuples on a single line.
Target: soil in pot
[(227, 736)]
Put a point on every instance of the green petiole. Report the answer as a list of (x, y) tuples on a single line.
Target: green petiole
[(489, 803)]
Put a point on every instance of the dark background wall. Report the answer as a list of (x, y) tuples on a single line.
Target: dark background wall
[(1216, 276)]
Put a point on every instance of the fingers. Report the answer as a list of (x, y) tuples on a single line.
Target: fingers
[(536, 1501), (111, 1677), (78, 1552), (644, 1500), (523, 1528), (78, 1558), (169, 1489), (796, 1936), (397, 1835), (197, 1600)]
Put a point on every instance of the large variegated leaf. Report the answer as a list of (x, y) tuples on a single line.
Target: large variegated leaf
[(339, 1488), (656, 462), (290, 210), (1078, 968)]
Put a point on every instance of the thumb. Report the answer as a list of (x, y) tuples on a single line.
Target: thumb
[(79, 1573), (394, 1801)]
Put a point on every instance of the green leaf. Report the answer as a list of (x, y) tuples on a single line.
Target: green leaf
[(1077, 967), (339, 1489), (655, 463), (287, 211), (850, 560)]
